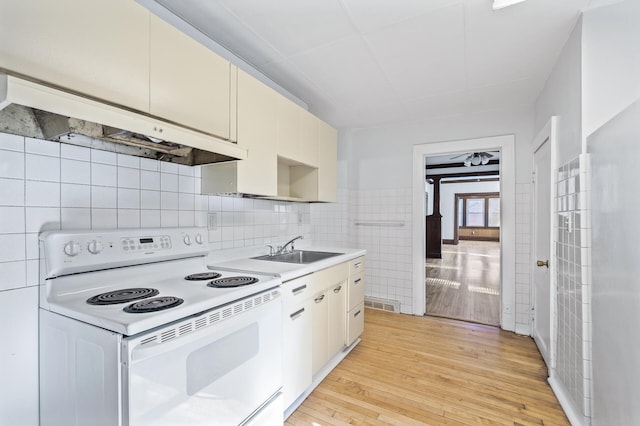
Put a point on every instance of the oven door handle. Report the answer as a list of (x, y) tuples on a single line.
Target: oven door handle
[(138, 352)]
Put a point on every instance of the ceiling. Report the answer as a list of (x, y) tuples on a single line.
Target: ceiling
[(364, 63)]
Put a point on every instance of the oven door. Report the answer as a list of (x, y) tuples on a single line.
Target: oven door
[(220, 367)]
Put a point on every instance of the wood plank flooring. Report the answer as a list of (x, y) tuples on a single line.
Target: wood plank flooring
[(412, 370), (465, 283)]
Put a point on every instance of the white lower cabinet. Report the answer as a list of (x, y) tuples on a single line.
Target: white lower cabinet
[(297, 351), (336, 321), (319, 331), (318, 324)]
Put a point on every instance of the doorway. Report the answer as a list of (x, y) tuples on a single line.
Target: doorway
[(506, 146), (463, 254)]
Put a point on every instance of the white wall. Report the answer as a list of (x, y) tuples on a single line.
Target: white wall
[(381, 156), (380, 181), (46, 186), (448, 192), (562, 96), (611, 62)]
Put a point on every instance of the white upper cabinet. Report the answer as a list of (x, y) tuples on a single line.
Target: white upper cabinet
[(258, 174), (327, 163), (308, 145), (288, 128), (189, 84), (98, 48)]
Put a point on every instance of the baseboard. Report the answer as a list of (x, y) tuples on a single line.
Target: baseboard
[(452, 242), (574, 416)]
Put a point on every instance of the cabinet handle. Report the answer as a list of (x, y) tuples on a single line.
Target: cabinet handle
[(356, 314), (357, 265), (296, 314), (357, 281), (319, 299), (337, 289), (298, 289)]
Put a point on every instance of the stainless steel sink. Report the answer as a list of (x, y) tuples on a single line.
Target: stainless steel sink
[(298, 256)]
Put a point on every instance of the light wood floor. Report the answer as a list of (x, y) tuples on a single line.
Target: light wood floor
[(411, 370), (465, 283)]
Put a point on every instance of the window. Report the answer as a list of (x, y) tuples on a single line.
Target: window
[(478, 210)]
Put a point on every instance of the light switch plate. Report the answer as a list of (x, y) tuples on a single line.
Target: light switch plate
[(212, 221)]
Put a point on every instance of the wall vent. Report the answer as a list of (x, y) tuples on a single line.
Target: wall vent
[(382, 304)]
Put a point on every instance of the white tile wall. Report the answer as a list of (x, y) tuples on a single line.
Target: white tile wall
[(572, 257), (523, 255), (46, 185)]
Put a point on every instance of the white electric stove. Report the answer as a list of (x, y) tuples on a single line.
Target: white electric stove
[(136, 330)]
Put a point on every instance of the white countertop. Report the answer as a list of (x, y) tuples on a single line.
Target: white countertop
[(286, 271)]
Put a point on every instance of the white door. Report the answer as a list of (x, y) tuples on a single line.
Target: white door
[(542, 295)]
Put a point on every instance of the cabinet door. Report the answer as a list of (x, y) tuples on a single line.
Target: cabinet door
[(337, 318), (356, 290), (327, 163), (296, 328), (258, 174), (320, 331), (98, 48), (288, 128), (355, 323), (308, 148), (189, 84)]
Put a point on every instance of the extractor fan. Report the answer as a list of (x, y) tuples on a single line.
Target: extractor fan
[(475, 158)]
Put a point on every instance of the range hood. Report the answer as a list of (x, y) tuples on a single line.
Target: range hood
[(34, 109)]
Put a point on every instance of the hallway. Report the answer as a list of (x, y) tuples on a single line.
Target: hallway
[(465, 283)]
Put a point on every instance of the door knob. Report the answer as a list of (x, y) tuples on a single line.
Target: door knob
[(540, 263)]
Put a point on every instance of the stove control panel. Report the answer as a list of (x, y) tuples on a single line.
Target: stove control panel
[(131, 244), (69, 252)]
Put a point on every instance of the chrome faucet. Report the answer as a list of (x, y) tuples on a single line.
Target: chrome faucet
[(283, 249)]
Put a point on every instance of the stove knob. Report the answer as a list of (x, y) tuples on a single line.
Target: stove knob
[(72, 249), (187, 240), (199, 238), (95, 247)]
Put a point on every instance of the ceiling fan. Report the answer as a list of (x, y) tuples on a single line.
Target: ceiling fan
[(475, 158)]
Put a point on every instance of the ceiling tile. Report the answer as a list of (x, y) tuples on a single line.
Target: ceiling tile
[(516, 42), (423, 55), (346, 72), (294, 26), (375, 14), (218, 23)]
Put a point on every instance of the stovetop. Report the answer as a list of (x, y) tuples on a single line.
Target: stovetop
[(155, 283)]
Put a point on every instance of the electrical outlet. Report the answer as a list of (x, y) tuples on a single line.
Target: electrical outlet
[(212, 221)]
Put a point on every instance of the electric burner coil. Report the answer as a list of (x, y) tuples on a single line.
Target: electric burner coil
[(122, 296), (153, 305), (230, 282)]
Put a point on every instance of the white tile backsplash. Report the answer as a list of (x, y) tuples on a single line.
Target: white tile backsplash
[(41, 147), (42, 167), (169, 182), (12, 247), (73, 152), (149, 180), (104, 218), (12, 220), (11, 191), (42, 194), (104, 157), (14, 275), (74, 171), (11, 142), (128, 178), (104, 175), (128, 199), (75, 218), (104, 197), (72, 195), (12, 164)]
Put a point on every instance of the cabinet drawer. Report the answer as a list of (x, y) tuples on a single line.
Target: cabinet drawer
[(355, 323), (356, 290), (297, 290), (356, 266)]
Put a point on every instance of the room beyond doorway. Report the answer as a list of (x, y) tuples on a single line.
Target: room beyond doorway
[(465, 283)]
